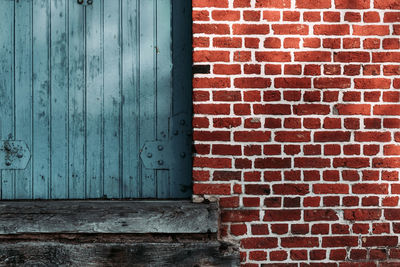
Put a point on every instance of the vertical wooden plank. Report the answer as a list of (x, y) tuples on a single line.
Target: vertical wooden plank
[(112, 98), (94, 100), (130, 107), (164, 84), (76, 90), (148, 80), (7, 88), (181, 178), (23, 94), (41, 99), (59, 100)]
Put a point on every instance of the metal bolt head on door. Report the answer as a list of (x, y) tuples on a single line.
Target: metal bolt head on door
[(85, 2)]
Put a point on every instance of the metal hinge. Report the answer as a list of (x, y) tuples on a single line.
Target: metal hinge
[(14, 155), (172, 152)]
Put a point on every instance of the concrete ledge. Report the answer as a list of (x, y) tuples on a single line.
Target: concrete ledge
[(91, 217)]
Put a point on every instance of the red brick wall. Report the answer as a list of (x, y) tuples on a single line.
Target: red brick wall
[(297, 126)]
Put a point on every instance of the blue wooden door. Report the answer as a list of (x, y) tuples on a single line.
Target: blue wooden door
[(95, 96)]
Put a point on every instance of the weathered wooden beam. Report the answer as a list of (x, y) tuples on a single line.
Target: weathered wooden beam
[(18, 217), (211, 253)]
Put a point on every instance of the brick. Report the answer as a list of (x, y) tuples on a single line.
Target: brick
[(259, 243), (387, 110), (257, 255), (239, 215), (332, 43), (362, 214), (218, 163), (364, 83), (386, 4), (337, 29), (211, 135), (340, 229), (339, 241), (227, 96), (211, 28), (351, 57), (313, 56), (288, 29), (311, 163), (312, 16), (338, 254), (366, 30), (351, 162), (211, 83), (257, 189), (320, 215), (330, 16), (210, 3), (311, 4), (292, 82), (317, 254), (358, 254), (269, 15), (391, 17), (273, 3), (386, 57), (210, 56), (272, 163), (282, 215), (227, 42), (370, 188), (291, 16), (226, 122), (219, 189), (219, 149), (252, 82), (225, 15), (299, 242), (278, 256), (250, 29), (332, 136), (325, 83), (273, 56), (352, 17), (292, 136), (241, 3), (274, 109), (391, 43), (252, 136), (354, 4), (311, 109), (202, 15), (252, 15), (379, 241), (330, 188), (290, 189), (272, 42), (372, 16)]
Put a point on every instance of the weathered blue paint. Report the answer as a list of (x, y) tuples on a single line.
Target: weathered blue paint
[(85, 87)]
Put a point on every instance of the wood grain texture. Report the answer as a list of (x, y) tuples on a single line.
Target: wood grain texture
[(85, 87), (210, 253), (107, 217)]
